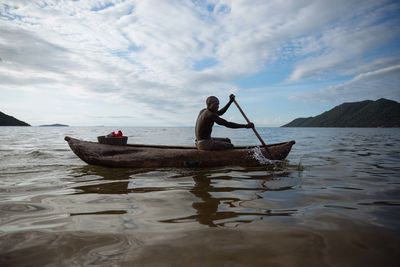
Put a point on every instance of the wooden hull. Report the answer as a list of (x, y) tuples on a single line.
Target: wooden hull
[(148, 156)]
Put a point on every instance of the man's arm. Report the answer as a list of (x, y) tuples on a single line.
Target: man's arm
[(224, 109), (221, 121)]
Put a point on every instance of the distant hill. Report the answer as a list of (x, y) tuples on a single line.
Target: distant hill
[(368, 113), (54, 125), (7, 120)]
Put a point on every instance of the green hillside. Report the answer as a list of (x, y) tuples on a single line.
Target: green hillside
[(6, 120), (368, 113)]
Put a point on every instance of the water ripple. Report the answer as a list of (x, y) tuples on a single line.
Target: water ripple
[(380, 203), (340, 184)]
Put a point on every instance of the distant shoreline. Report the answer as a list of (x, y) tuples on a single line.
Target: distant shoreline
[(54, 125)]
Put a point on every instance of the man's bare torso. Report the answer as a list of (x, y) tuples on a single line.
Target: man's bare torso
[(204, 124)]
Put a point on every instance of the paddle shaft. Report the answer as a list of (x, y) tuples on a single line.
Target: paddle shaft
[(254, 128)]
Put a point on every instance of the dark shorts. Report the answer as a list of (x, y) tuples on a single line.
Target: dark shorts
[(214, 143)]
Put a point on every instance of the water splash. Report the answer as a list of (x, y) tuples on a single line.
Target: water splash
[(259, 156)]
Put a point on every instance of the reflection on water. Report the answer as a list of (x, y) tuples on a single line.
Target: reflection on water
[(219, 194), (216, 211)]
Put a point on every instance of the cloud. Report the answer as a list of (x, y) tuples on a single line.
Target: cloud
[(373, 85), (167, 56), (343, 46)]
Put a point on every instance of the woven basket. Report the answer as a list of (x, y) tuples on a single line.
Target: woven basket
[(120, 141)]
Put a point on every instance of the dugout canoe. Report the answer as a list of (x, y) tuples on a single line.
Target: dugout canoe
[(155, 156)]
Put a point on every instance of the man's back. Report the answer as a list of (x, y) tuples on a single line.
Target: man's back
[(204, 124)]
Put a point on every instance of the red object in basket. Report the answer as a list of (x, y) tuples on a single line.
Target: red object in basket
[(116, 134)]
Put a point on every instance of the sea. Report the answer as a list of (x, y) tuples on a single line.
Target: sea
[(335, 201)]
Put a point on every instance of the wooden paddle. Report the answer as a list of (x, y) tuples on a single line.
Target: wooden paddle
[(254, 129)]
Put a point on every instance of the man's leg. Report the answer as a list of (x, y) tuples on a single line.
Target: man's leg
[(222, 139), (212, 144), (221, 144)]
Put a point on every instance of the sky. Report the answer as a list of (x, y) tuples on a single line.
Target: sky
[(154, 62)]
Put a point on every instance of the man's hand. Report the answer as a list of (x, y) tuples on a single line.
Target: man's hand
[(250, 125), (232, 97)]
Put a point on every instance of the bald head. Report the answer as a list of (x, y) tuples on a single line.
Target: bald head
[(212, 103), (211, 100)]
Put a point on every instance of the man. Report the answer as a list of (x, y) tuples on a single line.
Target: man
[(205, 121)]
